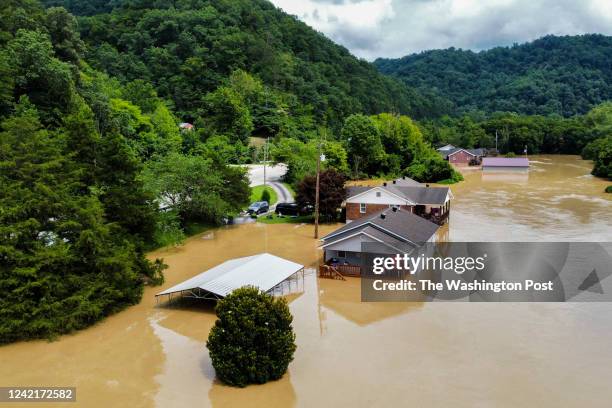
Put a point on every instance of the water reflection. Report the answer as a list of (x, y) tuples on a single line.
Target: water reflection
[(511, 176), (344, 298), (278, 393)]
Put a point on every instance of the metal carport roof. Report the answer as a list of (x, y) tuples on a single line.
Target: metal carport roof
[(264, 271)]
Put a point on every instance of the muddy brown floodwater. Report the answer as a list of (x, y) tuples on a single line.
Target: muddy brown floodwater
[(363, 354)]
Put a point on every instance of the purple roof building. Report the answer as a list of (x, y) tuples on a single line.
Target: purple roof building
[(502, 163)]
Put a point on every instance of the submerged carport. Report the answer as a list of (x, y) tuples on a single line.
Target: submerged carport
[(264, 271)]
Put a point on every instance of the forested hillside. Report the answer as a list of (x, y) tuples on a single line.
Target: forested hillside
[(188, 48), (93, 173), (552, 75)]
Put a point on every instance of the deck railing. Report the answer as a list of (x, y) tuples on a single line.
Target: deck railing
[(338, 271), (438, 219), (350, 270)]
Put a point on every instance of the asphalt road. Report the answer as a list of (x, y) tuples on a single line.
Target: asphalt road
[(273, 175)]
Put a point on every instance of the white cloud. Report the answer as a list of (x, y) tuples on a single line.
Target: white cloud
[(393, 28)]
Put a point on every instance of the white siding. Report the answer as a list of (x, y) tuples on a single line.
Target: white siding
[(352, 244), (370, 197)]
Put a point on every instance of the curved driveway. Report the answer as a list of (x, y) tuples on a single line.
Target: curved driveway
[(273, 176)]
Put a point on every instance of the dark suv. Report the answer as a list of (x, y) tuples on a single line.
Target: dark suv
[(287, 209), (258, 207)]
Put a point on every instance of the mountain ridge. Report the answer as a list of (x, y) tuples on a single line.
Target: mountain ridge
[(565, 75)]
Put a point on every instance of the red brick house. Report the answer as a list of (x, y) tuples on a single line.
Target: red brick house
[(432, 203), (463, 157)]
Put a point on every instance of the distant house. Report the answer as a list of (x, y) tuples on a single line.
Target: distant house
[(185, 127), (446, 148), (505, 163), (432, 203), (463, 157), (397, 229)]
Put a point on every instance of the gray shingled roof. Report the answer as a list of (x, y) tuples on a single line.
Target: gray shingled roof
[(475, 152), (405, 182), (397, 227), (417, 194), (422, 195)]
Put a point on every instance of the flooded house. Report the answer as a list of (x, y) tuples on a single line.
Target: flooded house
[(402, 215), (397, 229), (432, 203), (518, 164), (463, 157)]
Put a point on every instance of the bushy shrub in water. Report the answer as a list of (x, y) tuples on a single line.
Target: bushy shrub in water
[(252, 341)]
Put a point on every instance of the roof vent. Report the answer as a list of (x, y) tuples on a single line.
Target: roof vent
[(382, 216), (403, 177), (394, 209), (385, 184), (394, 181), (426, 185)]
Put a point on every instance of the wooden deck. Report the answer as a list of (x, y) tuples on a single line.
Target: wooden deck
[(338, 271), (438, 219)]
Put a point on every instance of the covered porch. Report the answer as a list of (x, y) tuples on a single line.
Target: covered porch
[(347, 263), (435, 213)]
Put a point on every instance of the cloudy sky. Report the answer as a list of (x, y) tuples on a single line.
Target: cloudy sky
[(394, 28)]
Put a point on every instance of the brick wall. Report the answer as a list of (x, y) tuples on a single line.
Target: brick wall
[(461, 158), (352, 210)]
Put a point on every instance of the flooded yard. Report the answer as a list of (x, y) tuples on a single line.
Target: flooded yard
[(363, 354)]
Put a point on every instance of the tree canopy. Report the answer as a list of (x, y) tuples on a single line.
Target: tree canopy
[(252, 341), (189, 48), (565, 76)]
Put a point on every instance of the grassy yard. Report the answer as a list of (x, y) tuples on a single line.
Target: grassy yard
[(275, 219), (258, 190)]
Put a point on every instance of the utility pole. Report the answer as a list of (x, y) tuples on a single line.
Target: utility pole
[(265, 158), (319, 158), (316, 232), (496, 141)]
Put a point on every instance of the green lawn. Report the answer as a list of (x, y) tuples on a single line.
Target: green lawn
[(258, 190), (275, 219)]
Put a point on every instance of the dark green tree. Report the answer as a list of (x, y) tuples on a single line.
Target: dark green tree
[(365, 149), (332, 192), (252, 341), (62, 266)]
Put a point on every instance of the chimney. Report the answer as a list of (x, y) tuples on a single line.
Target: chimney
[(385, 184), (426, 185), (394, 209), (403, 177), (382, 216), (394, 181)]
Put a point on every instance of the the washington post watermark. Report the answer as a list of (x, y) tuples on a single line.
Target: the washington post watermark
[(487, 272)]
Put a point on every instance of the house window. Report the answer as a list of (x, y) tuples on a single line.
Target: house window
[(362, 208), (378, 194), (341, 254)]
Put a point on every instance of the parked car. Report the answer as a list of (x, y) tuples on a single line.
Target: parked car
[(258, 207), (287, 209)]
